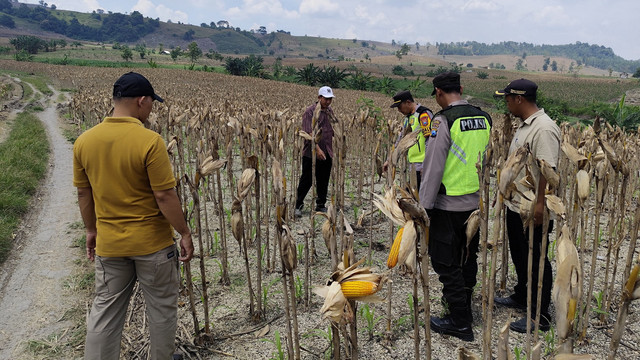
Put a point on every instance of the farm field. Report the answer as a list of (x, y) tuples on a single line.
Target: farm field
[(249, 123)]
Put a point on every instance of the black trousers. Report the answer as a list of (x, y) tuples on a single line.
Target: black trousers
[(455, 264), (519, 247), (323, 172)]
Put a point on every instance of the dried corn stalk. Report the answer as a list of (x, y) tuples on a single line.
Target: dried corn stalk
[(567, 289)]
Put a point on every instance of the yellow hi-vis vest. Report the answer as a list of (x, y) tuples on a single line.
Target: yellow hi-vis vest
[(470, 129), (419, 119)]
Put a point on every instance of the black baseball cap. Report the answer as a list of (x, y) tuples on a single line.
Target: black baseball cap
[(401, 96), (522, 87), (133, 84), (447, 80)]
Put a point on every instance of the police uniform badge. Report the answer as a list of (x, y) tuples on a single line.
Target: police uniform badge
[(425, 124), (435, 124)]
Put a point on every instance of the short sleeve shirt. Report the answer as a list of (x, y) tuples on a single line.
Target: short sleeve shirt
[(123, 163), (543, 136)]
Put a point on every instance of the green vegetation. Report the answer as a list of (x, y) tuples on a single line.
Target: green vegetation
[(23, 158), (95, 27), (584, 54), (39, 83), (231, 41)]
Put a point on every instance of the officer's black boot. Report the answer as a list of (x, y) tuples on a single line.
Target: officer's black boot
[(457, 323)]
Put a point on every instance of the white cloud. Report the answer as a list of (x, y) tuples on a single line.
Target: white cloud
[(377, 18), (257, 8), (149, 9), (554, 15), (75, 5), (310, 7), (478, 5)]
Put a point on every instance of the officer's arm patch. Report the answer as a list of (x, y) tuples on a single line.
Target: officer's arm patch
[(435, 124), (425, 124)]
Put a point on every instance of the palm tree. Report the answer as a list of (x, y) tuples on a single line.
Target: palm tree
[(385, 85), (331, 76), (308, 75)]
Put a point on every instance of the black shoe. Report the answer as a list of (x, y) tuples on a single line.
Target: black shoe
[(521, 325), (321, 209), (446, 326), (510, 303)]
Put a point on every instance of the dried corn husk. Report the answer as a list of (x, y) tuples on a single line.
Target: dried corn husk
[(335, 304), (389, 206), (237, 225), (288, 248), (573, 155), (408, 243), (244, 185), (556, 205), (511, 169), (412, 209), (466, 354), (552, 177), (403, 146), (209, 165), (582, 181), (278, 180), (473, 223), (602, 169), (567, 288), (172, 144)]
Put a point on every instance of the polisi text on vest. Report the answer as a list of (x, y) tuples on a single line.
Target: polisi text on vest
[(472, 124)]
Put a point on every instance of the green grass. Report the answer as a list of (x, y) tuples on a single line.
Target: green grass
[(39, 83), (23, 160)]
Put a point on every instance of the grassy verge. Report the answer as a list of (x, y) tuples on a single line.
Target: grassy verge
[(39, 83), (23, 160), (69, 343)]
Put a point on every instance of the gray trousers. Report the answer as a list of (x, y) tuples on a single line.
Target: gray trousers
[(157, 274)]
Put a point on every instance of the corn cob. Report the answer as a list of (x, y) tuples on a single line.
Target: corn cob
[(358, 288), (395, 248)]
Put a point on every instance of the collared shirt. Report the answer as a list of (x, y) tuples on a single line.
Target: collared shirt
[(324, 123), (543, 136), (433, 169), (124, 163)]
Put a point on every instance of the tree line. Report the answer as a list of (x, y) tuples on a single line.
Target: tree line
[(589, 55), (113, 27)]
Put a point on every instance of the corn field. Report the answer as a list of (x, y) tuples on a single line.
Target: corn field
[(235, 144)]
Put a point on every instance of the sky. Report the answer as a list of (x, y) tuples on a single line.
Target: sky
[(612, 23)]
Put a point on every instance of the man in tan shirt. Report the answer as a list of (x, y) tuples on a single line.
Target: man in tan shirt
[(542, 134)]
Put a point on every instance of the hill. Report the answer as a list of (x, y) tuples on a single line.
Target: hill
[(131, 29)]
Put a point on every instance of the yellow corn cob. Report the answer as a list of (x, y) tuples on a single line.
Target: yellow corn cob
[(355, 289), (395, 248)]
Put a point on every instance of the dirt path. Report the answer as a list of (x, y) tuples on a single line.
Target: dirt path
[(32, 303)]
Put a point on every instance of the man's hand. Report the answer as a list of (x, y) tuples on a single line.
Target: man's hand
[(385, 167), (186, 248), (320, 154), (91, 245)]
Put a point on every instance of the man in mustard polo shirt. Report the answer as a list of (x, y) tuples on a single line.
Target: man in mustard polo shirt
[(128, 204), (542, 134)]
